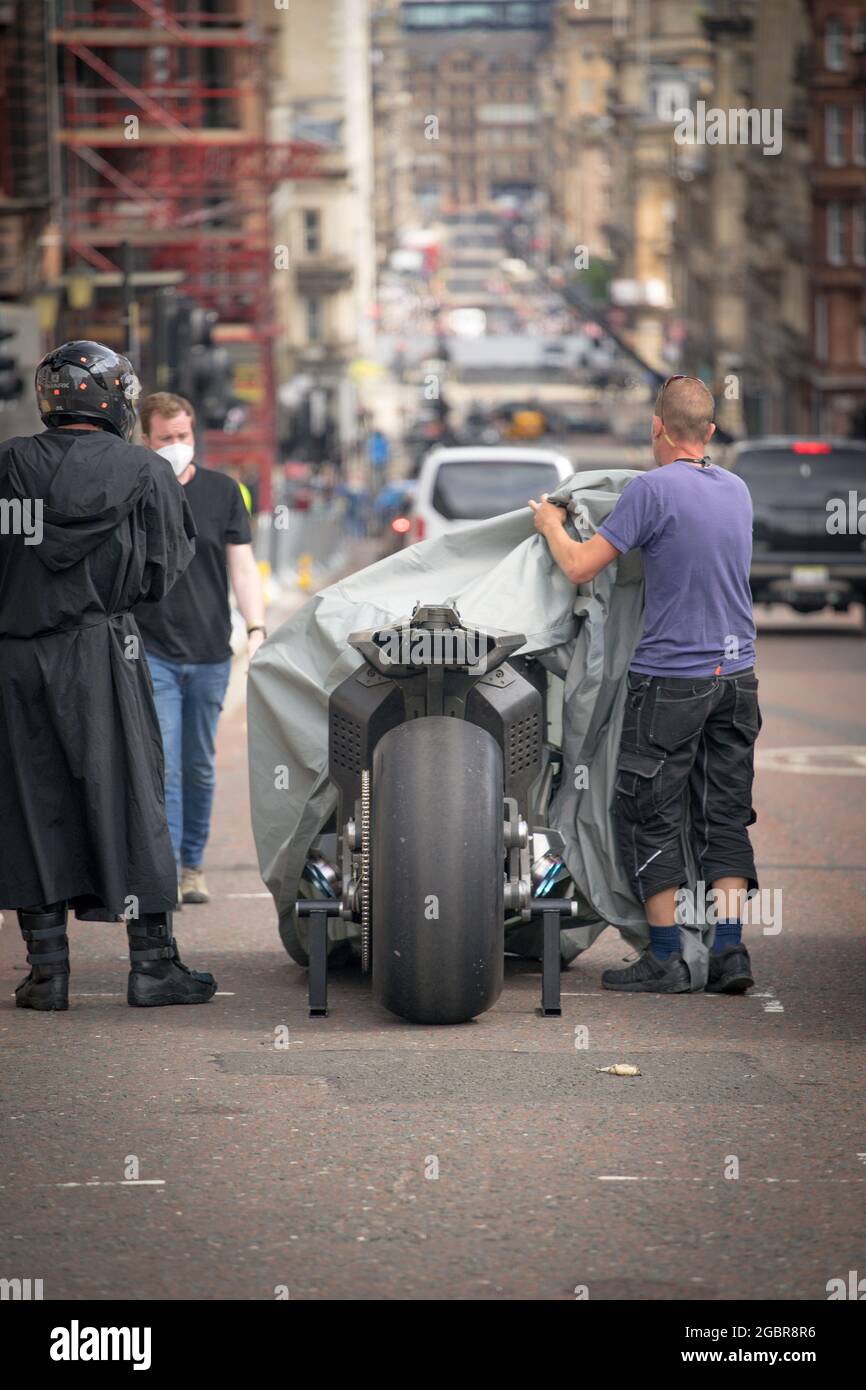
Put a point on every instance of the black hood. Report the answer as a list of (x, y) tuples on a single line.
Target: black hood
[(88, 482)]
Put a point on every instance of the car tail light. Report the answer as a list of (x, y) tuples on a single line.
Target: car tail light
[(401, 524), (419, 528), (812, 446)]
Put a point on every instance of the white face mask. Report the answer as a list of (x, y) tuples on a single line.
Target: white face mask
[(180, 456)]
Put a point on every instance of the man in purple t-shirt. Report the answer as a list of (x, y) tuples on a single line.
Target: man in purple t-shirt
[(686, 760)]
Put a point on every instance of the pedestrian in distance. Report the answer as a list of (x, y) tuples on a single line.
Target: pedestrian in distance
[(187, 638), (691, 709), (378, 452), (82, 804)]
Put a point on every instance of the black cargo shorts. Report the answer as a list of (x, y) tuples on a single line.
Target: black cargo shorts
[(686, 762)]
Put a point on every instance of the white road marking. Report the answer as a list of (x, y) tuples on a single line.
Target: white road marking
[(121, 994), (831, 760), (660, 1177), (126, 1182)]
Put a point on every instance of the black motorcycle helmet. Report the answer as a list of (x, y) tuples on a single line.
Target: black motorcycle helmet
[(83, 382)]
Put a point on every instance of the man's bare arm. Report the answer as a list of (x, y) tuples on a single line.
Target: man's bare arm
[(247, 584), (580, 561)]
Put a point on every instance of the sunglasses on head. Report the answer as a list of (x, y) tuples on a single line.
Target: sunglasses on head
[(679, 376)]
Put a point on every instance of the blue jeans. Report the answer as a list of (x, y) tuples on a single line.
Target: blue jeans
[(189, 699)]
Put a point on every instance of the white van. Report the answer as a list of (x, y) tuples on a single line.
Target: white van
[(460, 486)]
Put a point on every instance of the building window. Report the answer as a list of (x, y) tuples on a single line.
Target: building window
[(858, 253), (668, 94), (834, 135), (314, 320), (859, 134), (835, 233), (822, 335), (835, 56), (312, 231)]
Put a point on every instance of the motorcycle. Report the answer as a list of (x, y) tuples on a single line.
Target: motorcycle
[(440, 754)]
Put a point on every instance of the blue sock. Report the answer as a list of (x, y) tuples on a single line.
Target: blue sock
[(729, 932), (663, 941)]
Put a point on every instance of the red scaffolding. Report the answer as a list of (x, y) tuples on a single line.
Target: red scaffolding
[(166, 150)]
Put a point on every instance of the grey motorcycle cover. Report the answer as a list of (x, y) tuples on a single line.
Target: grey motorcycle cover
[(499, 574)]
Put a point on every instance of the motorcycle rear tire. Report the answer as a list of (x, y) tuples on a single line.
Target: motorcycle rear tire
[(437, 870)]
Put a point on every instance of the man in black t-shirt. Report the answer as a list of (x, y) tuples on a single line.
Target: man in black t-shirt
[(187, 636)]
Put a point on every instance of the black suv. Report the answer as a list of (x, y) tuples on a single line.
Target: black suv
[(809, 499)]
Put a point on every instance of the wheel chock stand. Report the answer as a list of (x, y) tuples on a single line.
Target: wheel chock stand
[(552, 911), (318, 910)]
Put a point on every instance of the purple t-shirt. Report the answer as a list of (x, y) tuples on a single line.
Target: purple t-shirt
[(694, 529)]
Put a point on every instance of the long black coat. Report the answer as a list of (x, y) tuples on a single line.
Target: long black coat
[(82, 803)]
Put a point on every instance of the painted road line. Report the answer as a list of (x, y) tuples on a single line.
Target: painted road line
[(126, 1182), (822, 760), (121, 994)]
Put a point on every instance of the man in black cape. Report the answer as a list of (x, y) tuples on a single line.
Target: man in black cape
[(90, 525)]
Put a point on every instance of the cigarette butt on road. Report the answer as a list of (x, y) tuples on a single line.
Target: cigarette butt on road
[(621, 1069)]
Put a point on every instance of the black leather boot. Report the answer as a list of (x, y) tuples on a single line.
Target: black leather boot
[(157, 974), (47, 986)]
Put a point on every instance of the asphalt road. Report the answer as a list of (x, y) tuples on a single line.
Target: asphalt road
[(369, 1158)]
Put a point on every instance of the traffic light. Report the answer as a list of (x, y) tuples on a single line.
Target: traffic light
[(11, 380), (188, 361), (193, 347), (214, 372)]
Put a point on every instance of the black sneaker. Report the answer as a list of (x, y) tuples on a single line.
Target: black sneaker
[(730, 971), (649, 975)]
